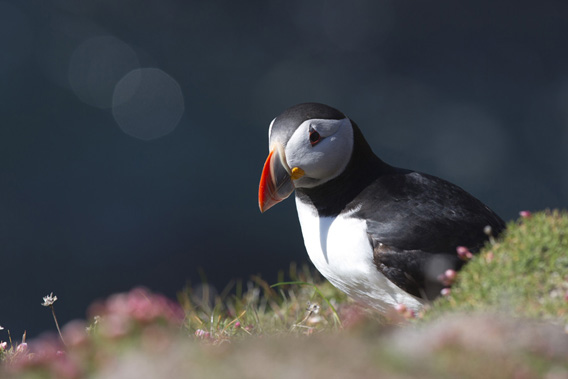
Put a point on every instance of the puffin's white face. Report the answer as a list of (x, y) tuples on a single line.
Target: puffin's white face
[(320, 149), (306, 155)]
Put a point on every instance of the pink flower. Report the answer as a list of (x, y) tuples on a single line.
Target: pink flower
[(400, 308), (115, 325), (451, 274), (200, 333), (75, 333), (405, 311), (22, 347), (464, 253), (143, 306), (139, 306), (525, 214), (63, 367), (3, 346), (446, 292), (448, 277)]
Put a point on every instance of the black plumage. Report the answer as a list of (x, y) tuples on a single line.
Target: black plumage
[(415, 221)]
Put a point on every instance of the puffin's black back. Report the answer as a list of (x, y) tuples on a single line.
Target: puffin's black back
[(412, 218)]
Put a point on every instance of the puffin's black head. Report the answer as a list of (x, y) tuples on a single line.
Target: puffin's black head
[(309, 144), (283, 126)]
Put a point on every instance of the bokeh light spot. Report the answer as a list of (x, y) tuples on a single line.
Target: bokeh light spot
[(97, 65), (147, 103)]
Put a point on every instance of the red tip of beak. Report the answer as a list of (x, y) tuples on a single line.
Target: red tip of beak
[(275, 181), (265, 188)]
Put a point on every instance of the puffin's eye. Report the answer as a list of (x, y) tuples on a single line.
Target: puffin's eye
[(314, 137)]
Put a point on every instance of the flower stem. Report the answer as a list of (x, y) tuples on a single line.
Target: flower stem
[(57, 325)]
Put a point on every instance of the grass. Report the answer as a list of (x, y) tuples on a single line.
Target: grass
[(296, 306), (505, 317), (525, 274)]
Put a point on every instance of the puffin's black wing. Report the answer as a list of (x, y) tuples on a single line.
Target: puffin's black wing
[(415, 222)]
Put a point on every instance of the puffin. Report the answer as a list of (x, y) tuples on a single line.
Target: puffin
[(383, 235)]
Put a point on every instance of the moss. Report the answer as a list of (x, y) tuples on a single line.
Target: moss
[(525, 273)]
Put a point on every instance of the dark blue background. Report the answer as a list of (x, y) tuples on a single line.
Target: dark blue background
[(473, 91)]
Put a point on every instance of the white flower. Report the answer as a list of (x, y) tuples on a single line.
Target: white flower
[(49, 300), (313, 308), (22, 347)]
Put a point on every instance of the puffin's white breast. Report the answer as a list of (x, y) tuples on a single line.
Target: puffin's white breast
[(340, 249)]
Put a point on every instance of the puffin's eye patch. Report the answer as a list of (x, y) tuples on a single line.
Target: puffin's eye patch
[(314, 137)]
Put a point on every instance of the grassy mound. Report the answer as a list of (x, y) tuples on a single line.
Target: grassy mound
[(505, 317), (304, 304), (524, 274)]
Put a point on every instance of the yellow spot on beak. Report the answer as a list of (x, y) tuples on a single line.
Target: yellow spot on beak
[(297, 173)]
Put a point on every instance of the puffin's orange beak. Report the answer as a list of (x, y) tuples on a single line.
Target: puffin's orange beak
[(275, 181)]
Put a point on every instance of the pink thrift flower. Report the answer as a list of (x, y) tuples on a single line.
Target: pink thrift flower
[(63, 367), (117, 304), (200, 333), (450, 275), (405, 311), (115, 325), (143, 306), (446, 291), (400, 308), (464, 253), (75, 333), (22, 347), (525, 214)]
